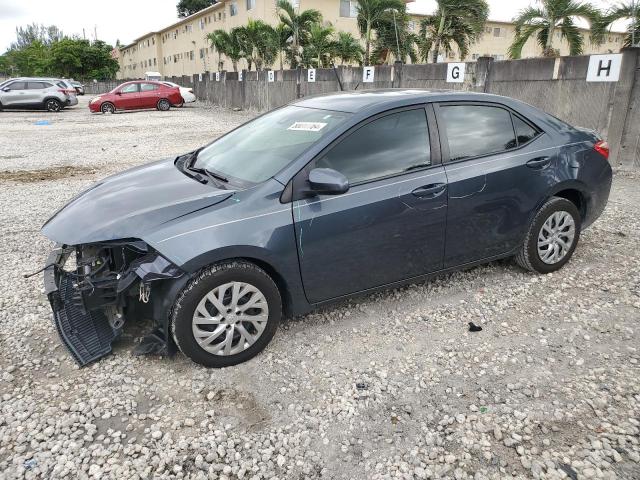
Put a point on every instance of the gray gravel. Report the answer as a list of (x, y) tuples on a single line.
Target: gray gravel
[(391, 385)]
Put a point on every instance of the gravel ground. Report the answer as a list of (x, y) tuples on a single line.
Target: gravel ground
[(391, 385)]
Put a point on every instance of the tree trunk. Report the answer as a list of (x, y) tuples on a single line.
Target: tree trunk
[(436, 46), (436, 50), (367, 59)]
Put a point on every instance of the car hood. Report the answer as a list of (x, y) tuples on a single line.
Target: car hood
[(131, 204)]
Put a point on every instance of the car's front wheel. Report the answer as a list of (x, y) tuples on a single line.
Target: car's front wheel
[(107, 107), (227, 314), (552, 237)]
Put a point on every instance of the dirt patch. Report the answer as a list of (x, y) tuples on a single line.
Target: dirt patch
[(45, 174)]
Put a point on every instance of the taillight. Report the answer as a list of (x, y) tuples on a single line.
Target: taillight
[(602, 147), (66, 91)]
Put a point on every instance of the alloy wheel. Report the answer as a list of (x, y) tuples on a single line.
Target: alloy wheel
[(230, 318), (556, 237), (107, 108), (53, 106)]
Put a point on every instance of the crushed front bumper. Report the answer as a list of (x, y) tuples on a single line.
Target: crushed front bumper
[(86, 334), (89, 309)]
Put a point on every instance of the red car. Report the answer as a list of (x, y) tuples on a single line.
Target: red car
[(137, 95)]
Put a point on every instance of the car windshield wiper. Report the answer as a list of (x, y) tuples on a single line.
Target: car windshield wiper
[(214, 177)]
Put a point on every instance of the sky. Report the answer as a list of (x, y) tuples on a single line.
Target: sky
[(128, 19)]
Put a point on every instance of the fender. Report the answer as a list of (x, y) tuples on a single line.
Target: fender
[(286, 274)]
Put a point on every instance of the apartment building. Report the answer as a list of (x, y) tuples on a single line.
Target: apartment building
[(182, 48)]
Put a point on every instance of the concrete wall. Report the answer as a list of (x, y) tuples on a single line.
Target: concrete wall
[(556, 85)]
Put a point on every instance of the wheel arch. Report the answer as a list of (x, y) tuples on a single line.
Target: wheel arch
[(574, 191), (284, 276), (46, 99)]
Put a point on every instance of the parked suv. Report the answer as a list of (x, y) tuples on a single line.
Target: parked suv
[(48, 93)]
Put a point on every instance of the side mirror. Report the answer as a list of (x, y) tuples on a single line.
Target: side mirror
[(6, 89), (327, 181), (118, 93)]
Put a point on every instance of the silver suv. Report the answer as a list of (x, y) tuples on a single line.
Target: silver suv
[(48, 93)]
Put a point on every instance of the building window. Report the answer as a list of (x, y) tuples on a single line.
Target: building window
[(348, 8), (251, 4), (155, 62), (202, 24), (233, 9), (475, 56), (496, 32), (202, 53), (191, 55)]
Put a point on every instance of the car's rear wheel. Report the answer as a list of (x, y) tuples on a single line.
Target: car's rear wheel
[(53, 105), (552, 237), (164, 105), (227, 314), (108, 107)]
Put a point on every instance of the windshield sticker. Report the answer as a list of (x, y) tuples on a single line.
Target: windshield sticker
[(307, 126)]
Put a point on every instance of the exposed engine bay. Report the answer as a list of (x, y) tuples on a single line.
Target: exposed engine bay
[(95, 288)]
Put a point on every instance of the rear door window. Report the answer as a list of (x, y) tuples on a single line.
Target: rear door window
[(148, 87), (389, 145), (474, 130), (37, 85)]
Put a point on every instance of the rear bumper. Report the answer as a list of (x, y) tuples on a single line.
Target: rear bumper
[(599, 197)]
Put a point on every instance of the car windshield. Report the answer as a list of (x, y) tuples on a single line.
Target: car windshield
[(258, 150)]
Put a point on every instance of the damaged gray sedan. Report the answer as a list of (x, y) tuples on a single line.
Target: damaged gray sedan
[(322, 199)]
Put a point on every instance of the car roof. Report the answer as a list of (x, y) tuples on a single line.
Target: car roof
[(383, 99)]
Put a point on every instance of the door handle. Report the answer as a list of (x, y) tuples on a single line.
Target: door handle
[(539, 163), (430, 191)]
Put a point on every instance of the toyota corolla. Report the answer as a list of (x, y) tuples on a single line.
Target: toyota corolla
[(325, 198)]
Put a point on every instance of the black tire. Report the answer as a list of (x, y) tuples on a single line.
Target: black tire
[(163, 105), (108, 107), (528, 257), (205, 282), (53, 105)]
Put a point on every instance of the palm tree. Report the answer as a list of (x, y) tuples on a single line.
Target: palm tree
[(370, 12), (629, 11), (348, 49), (299, 25), (320, 46), (552, 16), (259, 44), (229, 45), (282, 41), (394, 40), (459, 22), (219, 40)]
